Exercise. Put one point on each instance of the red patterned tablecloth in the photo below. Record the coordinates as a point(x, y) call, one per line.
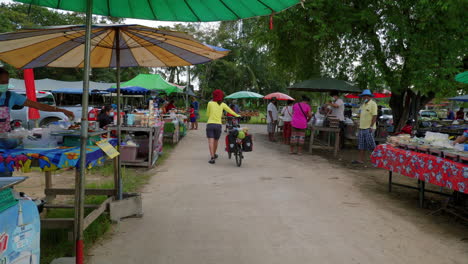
point(425, 167)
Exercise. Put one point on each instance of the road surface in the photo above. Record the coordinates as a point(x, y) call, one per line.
point(276, 208)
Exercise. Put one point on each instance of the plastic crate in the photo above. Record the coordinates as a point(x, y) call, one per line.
point(7, 199)
point(128, 153)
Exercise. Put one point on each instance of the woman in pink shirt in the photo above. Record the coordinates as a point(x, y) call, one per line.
point(300, 117)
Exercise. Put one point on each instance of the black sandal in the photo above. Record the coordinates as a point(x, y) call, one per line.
point(212, 161)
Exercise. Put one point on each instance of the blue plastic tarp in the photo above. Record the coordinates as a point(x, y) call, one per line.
point(461, 98)
point(130, 90)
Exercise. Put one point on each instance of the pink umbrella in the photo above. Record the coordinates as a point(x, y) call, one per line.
point(376, 95)
point(279, 96)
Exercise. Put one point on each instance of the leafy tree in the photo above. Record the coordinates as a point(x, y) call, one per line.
point(413, 48)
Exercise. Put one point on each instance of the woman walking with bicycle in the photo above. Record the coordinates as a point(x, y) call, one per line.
point(300, 117)
point(214, 112)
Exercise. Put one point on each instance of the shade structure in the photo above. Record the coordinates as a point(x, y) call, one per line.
point(462, 98)
point(325, 85)
point(278, 96)
point(462, 77)
point(376, 95)
point(174, 10)
point(244, 95)
point(130, 90)
point(153, 82)
point(77, 91)
point(63, 47)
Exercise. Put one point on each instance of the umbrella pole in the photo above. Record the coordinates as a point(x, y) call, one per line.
point(186, 88)
point(119, 121)
point(80, 179)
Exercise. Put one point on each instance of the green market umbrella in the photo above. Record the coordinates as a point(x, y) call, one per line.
point(244, 95)
point(325, 85)
point(173, 10)
point(152, 82)
point(462, 77)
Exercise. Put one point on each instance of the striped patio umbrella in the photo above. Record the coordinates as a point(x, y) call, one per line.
point(139, 46)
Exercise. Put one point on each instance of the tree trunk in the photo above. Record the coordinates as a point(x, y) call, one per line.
point(406, 106)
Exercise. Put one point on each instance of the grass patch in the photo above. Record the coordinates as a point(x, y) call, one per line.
point(55, 243)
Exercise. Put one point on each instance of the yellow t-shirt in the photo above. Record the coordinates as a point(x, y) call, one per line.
point(368, 111)
point(214, 111)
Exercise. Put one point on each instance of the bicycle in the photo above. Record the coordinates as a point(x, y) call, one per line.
point(234, 144)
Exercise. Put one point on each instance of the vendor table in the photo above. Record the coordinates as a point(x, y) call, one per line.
point(337, 132)
point(49, 160)
point(424, 167)
point(153, 150)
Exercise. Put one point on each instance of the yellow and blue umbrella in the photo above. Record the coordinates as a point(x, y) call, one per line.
point(138, 45)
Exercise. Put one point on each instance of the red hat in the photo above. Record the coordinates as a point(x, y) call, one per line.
point(218, 95)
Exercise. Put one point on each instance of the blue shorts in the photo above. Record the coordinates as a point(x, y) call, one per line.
point(213, 131)
point(193, 119)
point(366, 140)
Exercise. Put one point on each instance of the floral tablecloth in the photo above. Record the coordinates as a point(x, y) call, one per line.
point(425, 167)
point(50, 159)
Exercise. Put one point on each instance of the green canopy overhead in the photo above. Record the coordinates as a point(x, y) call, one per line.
point(152, 82)
point(462, 77)
point(325, 85)
point(174, 10)
point(244, 94)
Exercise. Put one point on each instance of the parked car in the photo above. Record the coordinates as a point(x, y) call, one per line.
point(386, 114)
point(429, 114)
point(21, 114)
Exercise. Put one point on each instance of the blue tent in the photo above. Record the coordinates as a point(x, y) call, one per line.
point(77, 91)
point(461, 98)
point(130, 90)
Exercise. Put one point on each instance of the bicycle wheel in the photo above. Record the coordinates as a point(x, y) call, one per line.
point(238, 154)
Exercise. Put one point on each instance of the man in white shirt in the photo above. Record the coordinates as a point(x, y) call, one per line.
point(337, 110)
point(272, 118)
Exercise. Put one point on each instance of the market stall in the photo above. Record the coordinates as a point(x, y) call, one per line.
point(428, 160)
point(49, 159)
point(322, 123)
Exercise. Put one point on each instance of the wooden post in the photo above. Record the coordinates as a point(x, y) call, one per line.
point(312, 135)
point(48, 185)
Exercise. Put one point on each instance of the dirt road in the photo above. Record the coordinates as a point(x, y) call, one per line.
point(276, 208)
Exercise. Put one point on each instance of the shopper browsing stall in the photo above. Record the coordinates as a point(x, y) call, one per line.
point(287, 117)
point(196, 107)
point(272, 118)
point(214, 112)
point(367, 126)
point(301, 115)
point(193, 118)
point(337, 110)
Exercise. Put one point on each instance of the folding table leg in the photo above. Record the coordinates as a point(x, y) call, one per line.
point(390, 181)
point(421, 193)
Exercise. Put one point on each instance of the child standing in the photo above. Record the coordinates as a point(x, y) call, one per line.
point(193, 117)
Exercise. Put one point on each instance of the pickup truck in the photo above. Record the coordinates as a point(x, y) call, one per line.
point(45, 117)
